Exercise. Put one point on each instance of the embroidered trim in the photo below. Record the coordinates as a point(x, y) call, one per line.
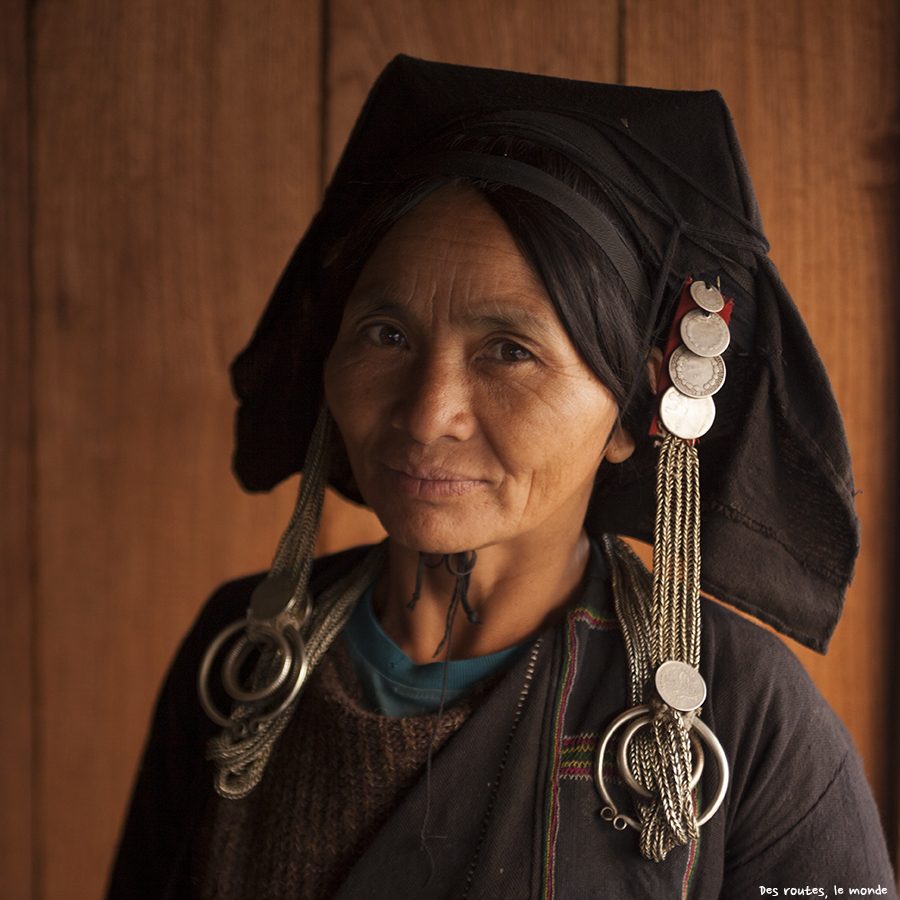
point(577, 759)
point(594, 620)
point(693, 857)
point(577, 756)
point(562, 701)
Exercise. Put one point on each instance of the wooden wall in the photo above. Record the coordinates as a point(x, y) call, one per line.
point(16, 462)
point(159, 160)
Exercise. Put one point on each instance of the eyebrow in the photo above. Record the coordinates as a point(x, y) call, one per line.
point(514, 319)
point(499, 315)
point(374, 301)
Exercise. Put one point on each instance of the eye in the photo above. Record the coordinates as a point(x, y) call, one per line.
point(509, 352)
point(385, 335)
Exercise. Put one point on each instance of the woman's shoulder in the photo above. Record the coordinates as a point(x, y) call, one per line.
point(750, 669)
point(729, 638)
point(762, 700)
point(799, 802)
point(794, 768)
point(230, 600)
point(227, 604)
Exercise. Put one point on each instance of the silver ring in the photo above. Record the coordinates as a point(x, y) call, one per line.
point(203, 675)
point(298, 661)
point(610, 812)
point(298, 679)
point(237, 656)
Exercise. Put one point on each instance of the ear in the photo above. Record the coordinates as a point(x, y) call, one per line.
point(654, 367)
point(620, 446)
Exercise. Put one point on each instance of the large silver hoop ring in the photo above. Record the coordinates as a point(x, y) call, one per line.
point(643, 713)
point(295, 665)
point(238, 654)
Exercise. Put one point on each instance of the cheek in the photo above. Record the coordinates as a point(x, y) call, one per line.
point(344, 398)
point(555, 444)
point(348, 388)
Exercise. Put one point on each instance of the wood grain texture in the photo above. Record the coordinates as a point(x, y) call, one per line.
point(176, 162)
point(813, 87)
point(16, 520)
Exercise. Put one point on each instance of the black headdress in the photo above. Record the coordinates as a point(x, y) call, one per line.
point(779, 530)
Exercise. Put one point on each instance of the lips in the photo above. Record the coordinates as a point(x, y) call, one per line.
point(426, 482)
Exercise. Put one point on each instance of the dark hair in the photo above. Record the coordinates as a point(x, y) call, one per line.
point(588, 295)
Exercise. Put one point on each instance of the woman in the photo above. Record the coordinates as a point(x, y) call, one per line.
point(516, 302)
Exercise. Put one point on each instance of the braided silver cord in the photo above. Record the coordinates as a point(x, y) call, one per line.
point(241, 761)
point(660, 625)
point(633, 595)
point(295, 551)
point(242, 750)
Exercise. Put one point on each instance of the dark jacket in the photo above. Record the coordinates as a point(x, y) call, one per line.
point(513, 794)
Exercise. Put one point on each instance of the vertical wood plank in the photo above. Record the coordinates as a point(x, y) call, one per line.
point(16, 522)
point(176, 163)
point(569, 38)
point(813, 87)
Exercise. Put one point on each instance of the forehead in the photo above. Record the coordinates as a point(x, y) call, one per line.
point(451, 245)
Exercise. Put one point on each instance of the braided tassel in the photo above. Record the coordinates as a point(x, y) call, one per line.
point(662, 754)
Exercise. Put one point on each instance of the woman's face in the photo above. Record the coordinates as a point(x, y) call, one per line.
point(468, 416)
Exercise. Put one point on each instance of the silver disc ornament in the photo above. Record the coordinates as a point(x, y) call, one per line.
point(680, 686)
point(696, 376)
point(707, 296)
point(705, 333)
point(686, 417)
point(272, 597)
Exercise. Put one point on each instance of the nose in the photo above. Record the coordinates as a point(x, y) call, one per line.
point(435, 401)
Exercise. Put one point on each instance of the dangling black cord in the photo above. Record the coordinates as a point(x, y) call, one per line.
point(460, 594)
point(465, 565)
point(420, 571)
point(417, 591)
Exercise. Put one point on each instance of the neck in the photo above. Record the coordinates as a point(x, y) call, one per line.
point(517, 592)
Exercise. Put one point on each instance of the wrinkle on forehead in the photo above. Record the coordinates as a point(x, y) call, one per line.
point(451, 241)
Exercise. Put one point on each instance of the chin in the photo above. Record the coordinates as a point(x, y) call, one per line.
point(435, 533)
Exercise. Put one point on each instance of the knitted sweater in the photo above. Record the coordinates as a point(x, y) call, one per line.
point(335, 776)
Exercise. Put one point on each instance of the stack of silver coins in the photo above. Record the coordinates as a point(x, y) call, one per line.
point(696, 367)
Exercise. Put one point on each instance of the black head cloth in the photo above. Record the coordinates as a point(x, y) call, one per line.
point(780, 534)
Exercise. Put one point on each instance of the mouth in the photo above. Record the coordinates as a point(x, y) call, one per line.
point(429, 482)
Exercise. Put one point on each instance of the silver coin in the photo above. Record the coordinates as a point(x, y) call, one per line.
point(686, 417)
point(705, 333)
point(707, 296)
point(680, 686)
point(271, 597)
point(696, 376)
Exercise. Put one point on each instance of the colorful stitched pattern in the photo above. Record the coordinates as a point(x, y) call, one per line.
point(577, 757)
point(693, 855)
point(556, 762)
point(576, 760)
point(600, 621)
